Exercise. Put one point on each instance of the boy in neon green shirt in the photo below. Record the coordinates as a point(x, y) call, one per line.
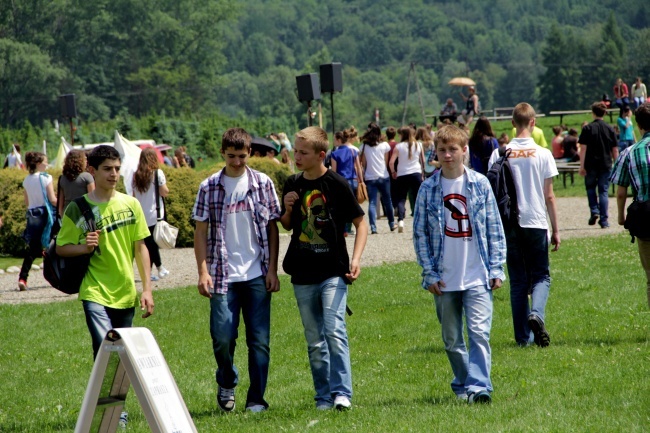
point(108, 289)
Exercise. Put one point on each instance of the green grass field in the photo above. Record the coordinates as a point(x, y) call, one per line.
point(595, 376)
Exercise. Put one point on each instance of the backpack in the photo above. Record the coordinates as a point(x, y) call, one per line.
point(503, 186)
point(67, 273)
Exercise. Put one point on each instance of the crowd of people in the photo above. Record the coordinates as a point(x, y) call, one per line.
point(461, 239)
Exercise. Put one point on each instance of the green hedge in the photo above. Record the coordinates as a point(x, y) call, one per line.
point(183, 185)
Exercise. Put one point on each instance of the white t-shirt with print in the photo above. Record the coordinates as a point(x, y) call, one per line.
point(462, 267)
point(406, 165)
point(375, 161)
point(244, 252)
point(531, 166)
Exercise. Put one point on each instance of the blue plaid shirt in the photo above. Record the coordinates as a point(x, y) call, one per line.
point(209, 207)
point(633, 168)
point(429, 227)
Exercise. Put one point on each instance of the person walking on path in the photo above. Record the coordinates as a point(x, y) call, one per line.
point(409, 174)
point(533, 169)
point(460, 244)
point(41, 204)
point(236, 247)
point(374, 159)
point(147, 177)
point(598, 149)
point(633, 168)
point(315, 206)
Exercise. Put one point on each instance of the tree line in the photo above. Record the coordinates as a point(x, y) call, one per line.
point(237, 60)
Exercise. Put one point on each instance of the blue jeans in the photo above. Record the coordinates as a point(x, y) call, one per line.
point(381, 186)
point(528, 269)
point(354, 185)
point(101, 319)
point(598, 204)
point(624, 144)
point(254, 302)
point(471, 370)
point(322, 311)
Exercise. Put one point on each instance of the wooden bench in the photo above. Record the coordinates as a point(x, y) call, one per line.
point(564, 113)
point(567, 168)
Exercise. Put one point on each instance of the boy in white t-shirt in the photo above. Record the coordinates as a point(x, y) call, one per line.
point(460, 244)
point(236, 247)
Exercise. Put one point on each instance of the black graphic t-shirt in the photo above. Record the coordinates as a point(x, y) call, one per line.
point(317, 250)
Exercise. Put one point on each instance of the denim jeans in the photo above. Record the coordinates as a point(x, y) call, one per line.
point(624, 144)
point(528, 269)
point(471, 370)
point(36, 222)
point(598, 203)
point(322, 311)
point(354, 185)
point(101, 319)
point(381, 186)
point(254, 302)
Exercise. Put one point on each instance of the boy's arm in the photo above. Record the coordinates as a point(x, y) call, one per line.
point(73, 250)
point(144, 268)
point(549, 197)
point(201, 253)
point(272, 282)
point(422, 242)
point(359, 244)
point(496, 240)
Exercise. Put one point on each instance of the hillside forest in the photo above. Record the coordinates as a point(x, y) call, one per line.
point(179, 71)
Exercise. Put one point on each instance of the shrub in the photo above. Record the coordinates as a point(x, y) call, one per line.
point(183, 185)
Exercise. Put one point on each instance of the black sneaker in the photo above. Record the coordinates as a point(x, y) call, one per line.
point(482, 397)
point(226, 399)
point(593, 218)
point(542, 339)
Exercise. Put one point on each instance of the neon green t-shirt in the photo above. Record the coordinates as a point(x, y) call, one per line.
point(110, 279)
point(537, 135)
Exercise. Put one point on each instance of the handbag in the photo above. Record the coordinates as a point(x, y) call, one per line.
point(164, 234)
point(638, 216)
point(362, 193)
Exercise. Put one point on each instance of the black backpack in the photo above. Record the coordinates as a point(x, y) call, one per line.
point(67, 273)
point(503, 186)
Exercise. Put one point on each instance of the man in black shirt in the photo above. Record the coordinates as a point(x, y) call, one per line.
point(598, 148)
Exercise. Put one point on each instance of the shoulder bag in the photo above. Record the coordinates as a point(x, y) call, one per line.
point(164, 234)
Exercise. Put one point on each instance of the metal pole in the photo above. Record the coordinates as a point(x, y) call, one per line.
point(332, 104)
point(71, 133)
point(308, 113)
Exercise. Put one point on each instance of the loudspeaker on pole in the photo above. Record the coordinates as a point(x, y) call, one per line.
point(67, 106)
point(308, 89)
point(331, 78)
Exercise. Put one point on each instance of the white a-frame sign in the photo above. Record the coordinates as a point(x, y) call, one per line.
point(131, 356)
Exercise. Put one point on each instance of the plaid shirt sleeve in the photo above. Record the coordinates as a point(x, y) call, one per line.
point(496, 238)
point(423, 238)
point(200, 211)
point(274, 203)
point(620, 171)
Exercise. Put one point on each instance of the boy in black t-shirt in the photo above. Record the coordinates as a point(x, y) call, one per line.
point(316, 205)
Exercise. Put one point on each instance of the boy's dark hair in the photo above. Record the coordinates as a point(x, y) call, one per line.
point(101, 153)
point(391, 132)
point(236, 138)
point(642, 116)
point(599, 109)
point(573, 132)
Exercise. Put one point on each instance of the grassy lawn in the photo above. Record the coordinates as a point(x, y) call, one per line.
point(593, 377)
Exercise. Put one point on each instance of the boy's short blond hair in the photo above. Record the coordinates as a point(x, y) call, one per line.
point(522, 115)
point(451, 134)
point(316, 137)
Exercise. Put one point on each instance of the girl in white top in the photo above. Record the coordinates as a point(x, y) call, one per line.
point(408, 177)
point(38, 191)
point(639, 93)
point(144, 190)
point(374, 159)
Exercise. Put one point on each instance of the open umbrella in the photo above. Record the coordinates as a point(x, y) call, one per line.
point(461, 81)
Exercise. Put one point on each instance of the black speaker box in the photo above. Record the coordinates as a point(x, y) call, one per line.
point(67, 106)
point(308, 87)
point(331, 78)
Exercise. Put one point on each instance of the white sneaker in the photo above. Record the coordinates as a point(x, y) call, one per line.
point(256, 408)
point(124, 420)
point(162, 272)
point(323, 405)
point(154, 278)
point(400, 227)
point(341, 402)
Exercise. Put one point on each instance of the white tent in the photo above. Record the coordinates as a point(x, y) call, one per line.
point(64, 148)
point(130, 154)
